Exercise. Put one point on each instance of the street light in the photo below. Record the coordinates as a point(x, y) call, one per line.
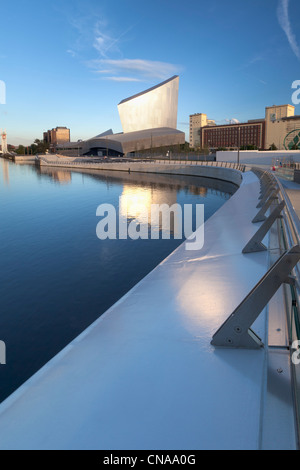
point(209, 142)
point(239, 144)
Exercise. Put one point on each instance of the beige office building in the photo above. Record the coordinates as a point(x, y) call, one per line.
point(197, 122)
point(282, 128)
point(57, 136)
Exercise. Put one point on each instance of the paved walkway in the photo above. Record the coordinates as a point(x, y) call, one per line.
point(293, 191)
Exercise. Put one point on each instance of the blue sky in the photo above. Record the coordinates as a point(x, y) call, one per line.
point(70, 62)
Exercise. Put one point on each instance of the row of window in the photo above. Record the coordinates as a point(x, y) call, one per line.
point(226, 132)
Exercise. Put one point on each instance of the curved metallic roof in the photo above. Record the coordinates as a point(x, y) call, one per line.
point(131, 141)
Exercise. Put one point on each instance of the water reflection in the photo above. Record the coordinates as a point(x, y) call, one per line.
point(196, 185)
point(5, 167)
point(58, 176)
point(137, 203)
point(56, 276)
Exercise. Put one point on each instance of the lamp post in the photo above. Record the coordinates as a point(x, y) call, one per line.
point(208, 148)
point(239, 144)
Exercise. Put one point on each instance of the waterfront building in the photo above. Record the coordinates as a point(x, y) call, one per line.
point(197, 122)
point(56, 137)
point(234, 135)
point(151, 109)
point(149, 121)
point(279, 129)
point(283, 128)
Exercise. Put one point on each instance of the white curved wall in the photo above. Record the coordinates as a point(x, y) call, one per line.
point(156, 107)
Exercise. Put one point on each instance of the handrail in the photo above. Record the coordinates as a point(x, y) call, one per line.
point(236, 331)
point(290, 218)
point(290, 230)
point(291, 234)
point(293, 219)
point(230, 165)
point(291, 226)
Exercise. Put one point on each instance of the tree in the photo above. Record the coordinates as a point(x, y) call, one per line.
point(273, 147)
point(20, 150)
point(39, 146)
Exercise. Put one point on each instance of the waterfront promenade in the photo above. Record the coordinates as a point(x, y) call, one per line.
point(216, 170)
point(145, 375)
point(293, 191)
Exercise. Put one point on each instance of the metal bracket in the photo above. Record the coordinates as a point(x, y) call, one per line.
point(236, 331)
point(261, 217)
point(267, 187)
point(265, 182)
point(255, 244)
point(291, 280)
point(273, 191)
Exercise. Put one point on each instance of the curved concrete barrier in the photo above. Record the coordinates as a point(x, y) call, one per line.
point(221, 173)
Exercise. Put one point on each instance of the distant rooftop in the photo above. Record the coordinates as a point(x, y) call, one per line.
point(236, 124)
point(280, 106)
point(291, 118)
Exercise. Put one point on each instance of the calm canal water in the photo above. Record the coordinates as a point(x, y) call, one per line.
point(56, 276)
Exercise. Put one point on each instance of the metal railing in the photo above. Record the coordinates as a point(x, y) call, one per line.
point(290, 227)
point(232, 165)
point(289, 224)
point(63, 162)
point(289, 236)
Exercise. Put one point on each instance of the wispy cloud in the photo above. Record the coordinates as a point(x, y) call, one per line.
point(103, 41)
point(284, 21)
point(122, 79)
point(84, 33)
point(71, 52)
point(94, 36)
point(254, 65)
point(137, 69)
point(232, 121)
point(258, 58)
point(255, 60)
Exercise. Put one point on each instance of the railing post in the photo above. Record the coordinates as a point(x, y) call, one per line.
point(265, 196)
point(260, 217)
point(235, 331)
point(255, 244)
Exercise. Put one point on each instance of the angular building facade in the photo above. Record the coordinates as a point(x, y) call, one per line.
point(153, 108)
point(149, 121)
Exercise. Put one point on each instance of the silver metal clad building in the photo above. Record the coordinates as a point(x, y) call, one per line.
point(149, 121)
point(153, 108)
